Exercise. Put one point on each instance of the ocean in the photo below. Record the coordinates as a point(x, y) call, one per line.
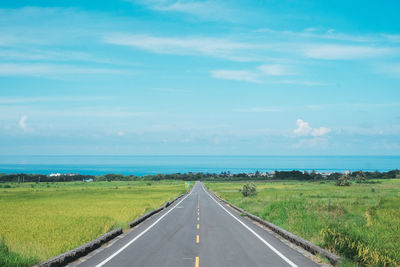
point(143, 165)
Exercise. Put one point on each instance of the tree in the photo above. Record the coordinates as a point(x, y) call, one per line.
point(343, 180)
point(360, 177)
point(248, 189)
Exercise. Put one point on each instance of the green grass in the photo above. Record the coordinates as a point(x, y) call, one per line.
point(39, 221)
point(361, 225)
point(9, 258)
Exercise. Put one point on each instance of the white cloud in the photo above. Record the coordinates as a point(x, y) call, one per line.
point(320, 131)
point(89, 111)
point(344, 52)
point(389, 69)
point(207, 10)
point(300, 82)
point(236, 75)
point(38, 69)
point(217, 47)
point(121, 133)
point(27, 100)
point(262, 109)
point(275, 70)
point(25, 54)
point(395, 38)
point(259, 75)
point(317, 33)
point(303, 128)
point(22, 122)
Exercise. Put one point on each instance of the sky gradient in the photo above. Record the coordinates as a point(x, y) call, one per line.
point(199, 77)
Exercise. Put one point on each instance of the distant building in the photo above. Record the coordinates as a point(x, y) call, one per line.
point(324, 174)
point(60, 174)
point(88, 180)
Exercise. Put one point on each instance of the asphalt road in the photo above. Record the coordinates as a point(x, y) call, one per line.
point(198, 231)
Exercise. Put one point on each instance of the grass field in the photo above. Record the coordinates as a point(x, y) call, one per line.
point(362, 225)
point(39, 221)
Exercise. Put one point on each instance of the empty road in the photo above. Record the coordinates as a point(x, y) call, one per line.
point(198, 231)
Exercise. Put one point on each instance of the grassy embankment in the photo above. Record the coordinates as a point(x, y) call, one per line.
point(355, 222)
point(39, 221)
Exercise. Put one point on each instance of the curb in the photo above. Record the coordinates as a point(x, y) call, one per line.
point(72, 255)
point(307, 245)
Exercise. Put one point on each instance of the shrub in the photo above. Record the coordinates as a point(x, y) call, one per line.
point(249, 189)
point(343, 180)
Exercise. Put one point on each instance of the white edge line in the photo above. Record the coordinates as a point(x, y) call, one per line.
point(142, 233)
point(254, 233)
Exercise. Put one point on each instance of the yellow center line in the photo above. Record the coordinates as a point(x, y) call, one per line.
point(198, 226)
point(196, 264)
point(197, 239)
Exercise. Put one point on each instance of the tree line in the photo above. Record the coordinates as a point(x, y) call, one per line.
point(190, 176)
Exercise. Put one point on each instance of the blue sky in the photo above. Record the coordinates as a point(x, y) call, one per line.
point(200, 77)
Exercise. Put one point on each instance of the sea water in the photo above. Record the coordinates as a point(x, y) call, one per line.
point(143, 165)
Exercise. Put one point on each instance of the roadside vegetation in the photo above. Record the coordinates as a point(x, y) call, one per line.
point(42, 220)
point(360, 222)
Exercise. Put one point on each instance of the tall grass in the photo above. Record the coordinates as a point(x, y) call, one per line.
point(40, 221)
point(355, 222)
point(10, 258)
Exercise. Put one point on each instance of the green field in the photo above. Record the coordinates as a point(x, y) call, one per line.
point(361, 225)
point(39, 221)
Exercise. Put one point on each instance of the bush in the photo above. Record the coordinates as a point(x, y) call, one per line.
point(249, 189)
point(343, 180)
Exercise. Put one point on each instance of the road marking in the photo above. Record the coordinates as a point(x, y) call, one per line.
point(198, 218)
point(253, 232)
point(142, 233)
point(198, 213)
point(197, 239)
point(196, 264)
point(198, 226)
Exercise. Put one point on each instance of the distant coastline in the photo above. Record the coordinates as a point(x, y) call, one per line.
point(150, 165)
